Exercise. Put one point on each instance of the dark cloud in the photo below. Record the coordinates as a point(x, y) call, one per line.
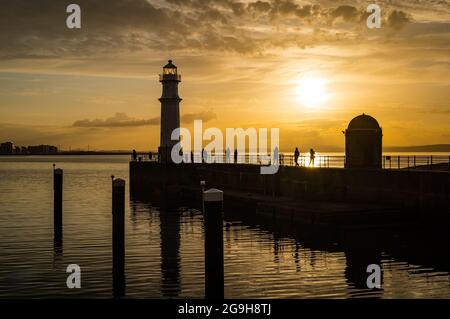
point(259, 6)
point(397, 19)
point(118, 120)
point(123, 120)
point(204, 116)
point(37, 29)
point(347, 13)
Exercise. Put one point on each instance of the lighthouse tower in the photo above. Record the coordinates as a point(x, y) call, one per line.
point(170, 110)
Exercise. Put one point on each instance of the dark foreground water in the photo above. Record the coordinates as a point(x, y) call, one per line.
point(164, 255)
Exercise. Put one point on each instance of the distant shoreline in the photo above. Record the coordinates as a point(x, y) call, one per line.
point(388, 151)
point(75, 153)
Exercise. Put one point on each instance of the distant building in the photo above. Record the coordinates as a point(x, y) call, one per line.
point(363, 143)
point(42, 149)
point(7, 148)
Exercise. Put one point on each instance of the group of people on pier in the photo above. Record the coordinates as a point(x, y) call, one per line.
point(204, 156)
point(312, 156)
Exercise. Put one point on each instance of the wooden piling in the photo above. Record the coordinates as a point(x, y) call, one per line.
point(214, 268)
point(118, 229)
point(202, 186)
point(57, 204)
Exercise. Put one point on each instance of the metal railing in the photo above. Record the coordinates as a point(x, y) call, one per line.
point(427, 162)
point(419, 162)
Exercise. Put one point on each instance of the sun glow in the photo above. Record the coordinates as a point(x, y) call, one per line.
point(312, 91)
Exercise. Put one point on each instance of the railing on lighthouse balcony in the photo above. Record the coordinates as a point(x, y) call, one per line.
point(170, 77)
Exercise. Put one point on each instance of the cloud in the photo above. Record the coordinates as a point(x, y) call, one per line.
point(204, 116)
point(123, 120)
point(31, 30)
point(397, 19)
point(347, 13)
point(118, 120)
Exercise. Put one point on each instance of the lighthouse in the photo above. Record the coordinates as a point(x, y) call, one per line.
point(170, 110)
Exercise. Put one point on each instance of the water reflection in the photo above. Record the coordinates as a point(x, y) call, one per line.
point(57, 246)
point(358, 257)
point(170, 253)
point(297, 257)
point(165, 252)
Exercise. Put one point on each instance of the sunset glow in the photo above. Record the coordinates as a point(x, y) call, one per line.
point(306, 69)
point(312, 92)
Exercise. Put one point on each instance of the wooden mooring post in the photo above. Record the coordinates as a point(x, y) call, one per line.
point(214, 261)
point(57, 205)
point(118, 236)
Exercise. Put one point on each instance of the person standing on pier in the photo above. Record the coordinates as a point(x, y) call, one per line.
point(312, 156)
point(235, 156)
point(296, 155)
point(134, 155)
point(276, 156)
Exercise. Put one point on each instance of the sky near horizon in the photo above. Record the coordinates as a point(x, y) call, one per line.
point(305, 67)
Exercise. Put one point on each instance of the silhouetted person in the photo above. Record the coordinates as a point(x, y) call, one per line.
point(312, 156)
point(203, 155)
point(275, 156)
point(235, 156)
point(296, 155)
point(228, 155)
point(134, 155)
point(150, 155)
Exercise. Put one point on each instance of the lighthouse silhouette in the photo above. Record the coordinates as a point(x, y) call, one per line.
point(170, 111)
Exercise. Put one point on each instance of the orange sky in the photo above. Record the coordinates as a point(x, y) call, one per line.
point(306, 67)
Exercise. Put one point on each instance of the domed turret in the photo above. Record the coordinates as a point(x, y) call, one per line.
point(363, 143)
point(363, 121)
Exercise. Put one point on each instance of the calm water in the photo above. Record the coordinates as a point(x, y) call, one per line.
point(261, 260)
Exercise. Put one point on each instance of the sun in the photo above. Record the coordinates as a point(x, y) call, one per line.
point(312, 91)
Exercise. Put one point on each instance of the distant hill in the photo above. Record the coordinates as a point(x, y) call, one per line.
point(418, 148)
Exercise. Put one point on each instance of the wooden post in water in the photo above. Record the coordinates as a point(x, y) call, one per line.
point(213, 219)
point(57, 204)
point(202, 185)
point(118, 240)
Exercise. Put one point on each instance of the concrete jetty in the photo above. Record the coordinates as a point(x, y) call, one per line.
point(312, 196)
point(358, 193)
